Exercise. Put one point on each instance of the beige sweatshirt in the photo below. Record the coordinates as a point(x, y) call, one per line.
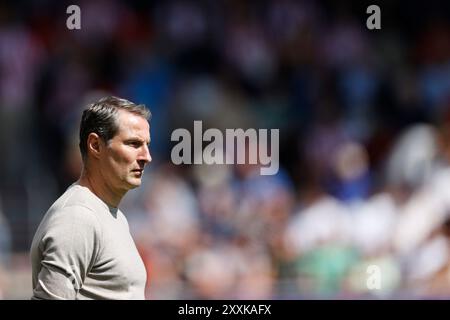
point(83, 250)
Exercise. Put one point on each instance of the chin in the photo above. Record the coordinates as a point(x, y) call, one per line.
point(134, 183)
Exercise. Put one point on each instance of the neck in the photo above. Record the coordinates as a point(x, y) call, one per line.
point(97, 185)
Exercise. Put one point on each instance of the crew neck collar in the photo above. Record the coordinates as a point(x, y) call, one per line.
point(112, 210)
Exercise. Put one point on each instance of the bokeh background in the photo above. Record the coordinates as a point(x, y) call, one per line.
point(364, 119)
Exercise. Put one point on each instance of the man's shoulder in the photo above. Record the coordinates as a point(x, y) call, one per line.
point(71, 216)
point(77, 201)
point(78, 197)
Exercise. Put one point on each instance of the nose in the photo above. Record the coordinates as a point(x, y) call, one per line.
point(145, 156)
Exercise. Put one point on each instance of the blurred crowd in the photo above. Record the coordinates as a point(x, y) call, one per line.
point(364, 120)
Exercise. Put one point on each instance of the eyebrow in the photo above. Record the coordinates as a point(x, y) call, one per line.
point(134, 139)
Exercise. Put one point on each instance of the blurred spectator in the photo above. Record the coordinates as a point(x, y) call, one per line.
point(5, 239)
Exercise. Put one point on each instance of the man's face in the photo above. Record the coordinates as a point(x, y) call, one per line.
point(126, 154)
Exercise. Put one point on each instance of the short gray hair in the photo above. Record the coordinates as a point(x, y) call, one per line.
point(101, 118)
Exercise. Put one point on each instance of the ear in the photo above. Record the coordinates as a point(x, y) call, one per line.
point(94, 144)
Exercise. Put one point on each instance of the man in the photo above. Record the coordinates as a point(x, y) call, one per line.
point(83, 248)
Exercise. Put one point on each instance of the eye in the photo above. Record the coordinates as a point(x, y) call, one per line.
point(134, 144)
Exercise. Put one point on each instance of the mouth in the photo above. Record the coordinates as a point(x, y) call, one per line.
point(138, 171)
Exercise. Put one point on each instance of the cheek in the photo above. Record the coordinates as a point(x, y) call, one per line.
point(122, 159)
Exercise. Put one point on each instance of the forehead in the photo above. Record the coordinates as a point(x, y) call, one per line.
point(131, 124)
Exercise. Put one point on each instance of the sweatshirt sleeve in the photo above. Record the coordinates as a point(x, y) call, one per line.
point(69, 249)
